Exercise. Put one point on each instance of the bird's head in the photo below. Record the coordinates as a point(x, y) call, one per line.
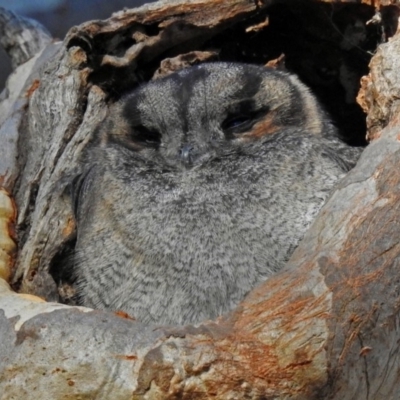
point(209, 111)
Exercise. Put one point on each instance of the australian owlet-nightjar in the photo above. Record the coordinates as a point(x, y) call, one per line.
point(198, 187)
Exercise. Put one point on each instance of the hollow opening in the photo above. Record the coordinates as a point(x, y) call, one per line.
point(328, 46)
point(61, 270)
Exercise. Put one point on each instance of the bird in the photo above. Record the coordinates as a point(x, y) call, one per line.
point(197, 187)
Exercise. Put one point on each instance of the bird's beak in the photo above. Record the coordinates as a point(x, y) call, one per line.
point(186, 154)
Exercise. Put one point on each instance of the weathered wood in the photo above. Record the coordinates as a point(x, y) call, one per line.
point(7, 237)
point(22, 38)
point(380, 92)
point(326, 327)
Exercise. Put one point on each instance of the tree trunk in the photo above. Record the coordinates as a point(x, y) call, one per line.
point(325, 327)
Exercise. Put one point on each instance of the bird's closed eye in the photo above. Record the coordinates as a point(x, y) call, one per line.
point(242, 122)
point(146, 136)
point(236, 122)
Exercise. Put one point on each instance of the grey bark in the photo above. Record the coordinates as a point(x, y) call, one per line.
point(326, 327)
point(22, 38)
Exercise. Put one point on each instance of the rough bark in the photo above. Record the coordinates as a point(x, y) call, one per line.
point(325, 327)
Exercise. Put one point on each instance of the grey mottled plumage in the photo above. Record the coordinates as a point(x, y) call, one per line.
point(200, 186)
